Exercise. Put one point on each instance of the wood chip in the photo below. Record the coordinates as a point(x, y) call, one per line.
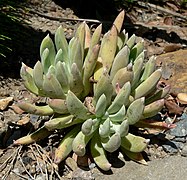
point(182, 98)
point(173, 108)
point(23, 121)
point(5, 102)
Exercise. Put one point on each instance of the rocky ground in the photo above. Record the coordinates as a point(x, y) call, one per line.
point(165, 34)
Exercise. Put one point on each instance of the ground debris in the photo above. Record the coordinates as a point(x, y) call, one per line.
point(27, 163)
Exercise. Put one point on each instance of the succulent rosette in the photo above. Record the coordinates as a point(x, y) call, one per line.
point(98, 86)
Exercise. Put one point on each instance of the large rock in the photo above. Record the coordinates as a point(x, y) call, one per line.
point(168, 168)
point(174, 65)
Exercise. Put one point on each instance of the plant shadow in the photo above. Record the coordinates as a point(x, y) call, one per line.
point(25, 45)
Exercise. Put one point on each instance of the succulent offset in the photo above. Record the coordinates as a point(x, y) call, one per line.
point(98, 87)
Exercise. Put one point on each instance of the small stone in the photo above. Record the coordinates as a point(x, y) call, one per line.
point(34, 118)
point(92, 165)
point(120, 155)
point(184, 151)
point(151, 151)
point(16, 170)
point(27, 160)
point(169, 120)
point(40, 177)
point(170, 147)
point(180, 139)
point(33, 169)
point(180, 130)
point(169, 136)
point(179, 145)
point(80, 174)
point(70, 162)
point(83, 161)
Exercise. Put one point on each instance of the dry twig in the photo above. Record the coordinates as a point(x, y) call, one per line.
point(21, 176)
point(48, 160)
point(43, 159)
point(25, 167)
point(14, 157)
point(137, 24)
point(34, 154)
point(62, 19)
point(3, 166)
point(164, 10)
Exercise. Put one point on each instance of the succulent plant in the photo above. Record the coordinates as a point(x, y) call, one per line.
point(98, 87)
